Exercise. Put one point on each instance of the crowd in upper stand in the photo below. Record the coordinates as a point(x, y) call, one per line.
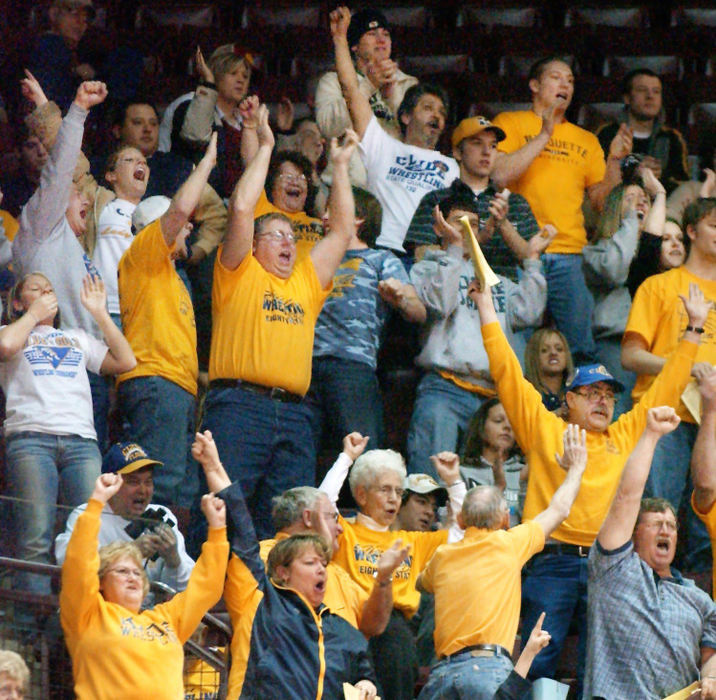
point(209, 299)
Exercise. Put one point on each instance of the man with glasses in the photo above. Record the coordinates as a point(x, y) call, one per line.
point(637, 601)
point(556, 580)
point(265, 304)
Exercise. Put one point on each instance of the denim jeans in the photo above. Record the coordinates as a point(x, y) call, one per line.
point(609, 352)
point(42, 470)
point(99, 387)
point(441, 415)
point(557, 585)
point(466, 677)
point(570, 303)
point(670, 478)
point(263, 443)
point(159, 416)
point(344, 396)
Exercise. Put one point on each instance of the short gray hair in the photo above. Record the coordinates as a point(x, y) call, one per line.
point(288, 507)
point(371, 464)
point(483, 507)
point(13, 665)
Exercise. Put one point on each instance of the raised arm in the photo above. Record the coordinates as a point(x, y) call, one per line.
point(48, 204)
point(656, 218)
point(619, 148)
point(329, 251)
point(188, 195)
point(199, 117)
point(354, 445)
point(635, 355)
point(447, 466)
point(574, 461)
point(119, 357)
point(249, 111)
point(357, 102)
point(620, 521)
point(703, 457)
point(14, 335)
point(240, 230)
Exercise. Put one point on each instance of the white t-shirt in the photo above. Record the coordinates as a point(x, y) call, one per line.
point(46, 384)
point(399, 175)
point(114, 236)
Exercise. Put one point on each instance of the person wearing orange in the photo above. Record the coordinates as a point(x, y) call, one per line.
point(476, 615)
point(552, 164)
point(654, 328)
point(119, 650)
point(157, 397)
point(259, 376)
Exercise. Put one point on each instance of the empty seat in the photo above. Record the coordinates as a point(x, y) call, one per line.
point(278, 16)
point(490, 17)
point(519, 66)
point(694, 16)
point(430, 65)
point(661, 65)
point(595, 114)
point(406, 16)
point(200, 16)
point(606, 16)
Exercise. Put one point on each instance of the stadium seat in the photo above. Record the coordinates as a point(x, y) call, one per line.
point(606, 16)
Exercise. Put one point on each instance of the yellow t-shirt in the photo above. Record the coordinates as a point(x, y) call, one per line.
point(658, 317)
point(555, 181)
point(709, 519)
point(539, 434)
point(360, 548)
point(478, 588)
point(263, 325)
point(307, 229)
point(157, 313)
point(344, 596)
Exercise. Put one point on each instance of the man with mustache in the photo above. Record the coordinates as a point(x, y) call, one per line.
point(400, 172)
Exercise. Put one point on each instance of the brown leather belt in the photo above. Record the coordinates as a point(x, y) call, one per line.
point(272, 392)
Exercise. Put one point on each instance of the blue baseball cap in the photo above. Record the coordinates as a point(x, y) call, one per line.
point(126, 457)
point(591, 374)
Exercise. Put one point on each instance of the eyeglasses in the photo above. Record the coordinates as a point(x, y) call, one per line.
point(387, 490)
point(670, 525)
point(595, 395)
point(293, 179)
point(331, 515)
point(277, 235)
point(126, 573)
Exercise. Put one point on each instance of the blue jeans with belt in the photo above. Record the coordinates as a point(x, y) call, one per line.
point(264, 443)
point(466, 677)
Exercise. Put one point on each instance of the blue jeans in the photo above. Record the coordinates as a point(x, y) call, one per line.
point(159, 416)
point(557, 585)
point(263, 443)
point(570, 303)
point(344, 396)
point(99, 387)
point(42, 470)
point(441, 415)
point(609, 351)
point(670, 478)
point(466, 677)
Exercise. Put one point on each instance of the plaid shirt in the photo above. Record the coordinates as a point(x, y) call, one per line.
point(645, 632)
point(501, 259)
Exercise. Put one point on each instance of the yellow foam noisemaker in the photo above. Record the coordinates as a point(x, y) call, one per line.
point(483, 272)
point(691, 691)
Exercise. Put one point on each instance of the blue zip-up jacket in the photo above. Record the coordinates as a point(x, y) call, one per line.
point(282, 647)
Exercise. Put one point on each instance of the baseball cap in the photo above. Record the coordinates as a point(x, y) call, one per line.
point(148, 210)
point(125, 458)
point(363, 21)
point(424, 483)
point(591, 374)
point(475, 125)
